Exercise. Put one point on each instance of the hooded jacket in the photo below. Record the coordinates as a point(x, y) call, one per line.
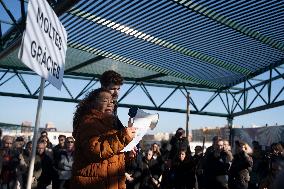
point(98, 162)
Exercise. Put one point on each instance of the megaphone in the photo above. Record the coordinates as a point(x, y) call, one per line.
point(135, 113)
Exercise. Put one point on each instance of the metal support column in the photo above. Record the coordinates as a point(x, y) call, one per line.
point(230, 127)
point(187, 114)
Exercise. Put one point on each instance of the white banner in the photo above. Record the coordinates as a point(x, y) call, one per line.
point(44, 43)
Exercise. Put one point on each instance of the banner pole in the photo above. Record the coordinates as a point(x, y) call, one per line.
point(38, 114)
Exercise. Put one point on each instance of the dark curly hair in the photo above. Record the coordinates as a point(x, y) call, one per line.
point(86, 105)
point(111, 77)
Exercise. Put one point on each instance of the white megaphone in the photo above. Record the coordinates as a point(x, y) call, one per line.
point(153, 117)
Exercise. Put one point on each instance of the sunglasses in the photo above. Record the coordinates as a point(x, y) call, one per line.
point(70, 141)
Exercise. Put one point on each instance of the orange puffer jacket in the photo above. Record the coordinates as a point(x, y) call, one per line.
point(98, 162)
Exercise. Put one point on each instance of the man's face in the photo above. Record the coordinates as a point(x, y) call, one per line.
point(220, 145)
point(197, 150)
point(29, 147)
point(19, 144)
point(149, 155)
point(8, 143)
point(70, 144)
point(114, 89)
point(40, 148)
point(61, 140)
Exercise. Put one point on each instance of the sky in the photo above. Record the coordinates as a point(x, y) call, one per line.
point(16, 110)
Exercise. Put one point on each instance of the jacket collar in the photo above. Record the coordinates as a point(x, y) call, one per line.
point(97, 114)
point(100, 115)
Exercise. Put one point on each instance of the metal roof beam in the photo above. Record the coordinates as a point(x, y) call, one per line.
point(226, 106)
point(148, 94)
point(87, 87)
point(128, 80)
point(261, 83)
point(168, 97)
point(191, 101)
point(131, 88)
point(258, 94)
point(10, 15)
point(37, 90)
point(6, 22)
point(258, 72)
point(23, 12)
point(7, 79)
point(234, 101)
point(175, 110)
point(259, 108)
point(23, 82)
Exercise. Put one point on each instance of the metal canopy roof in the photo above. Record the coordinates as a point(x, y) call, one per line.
point(210, 44)
point(215, 44)
point(204, 44)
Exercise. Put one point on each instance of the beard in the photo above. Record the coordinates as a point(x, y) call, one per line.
point(114, 97)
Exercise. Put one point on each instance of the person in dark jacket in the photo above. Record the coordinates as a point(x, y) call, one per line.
point(197, 157)
point(184, 173)
point(9, 160)
point(178, 142)
point(216, 167)
point(167, 179)
point(151, 172)
point(132, 170)
point(25, 159)
point(46, 164)
point(56, 151)
point(65, 163)
point(44, 134)
point(241, 167)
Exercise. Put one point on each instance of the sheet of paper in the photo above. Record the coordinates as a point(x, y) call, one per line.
point(142, 122)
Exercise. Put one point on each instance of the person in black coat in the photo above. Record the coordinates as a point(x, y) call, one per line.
point(150, 172)
point(216, 167)
point(46, 163)
point(241, 167)
point(178, 142)
point(197, 159)
point(56, 150)
point(184, 172)
point(132, 170)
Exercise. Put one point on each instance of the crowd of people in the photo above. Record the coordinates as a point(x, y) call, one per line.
point(53, 164)
point(218, 167)
point(170, 165)
point(93, 157)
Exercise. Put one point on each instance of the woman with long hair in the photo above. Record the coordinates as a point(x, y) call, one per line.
point(98, 160)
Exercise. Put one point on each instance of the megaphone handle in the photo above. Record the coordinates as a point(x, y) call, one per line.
point(130, 122)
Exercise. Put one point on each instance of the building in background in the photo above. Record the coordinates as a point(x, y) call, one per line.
point(26, 130)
